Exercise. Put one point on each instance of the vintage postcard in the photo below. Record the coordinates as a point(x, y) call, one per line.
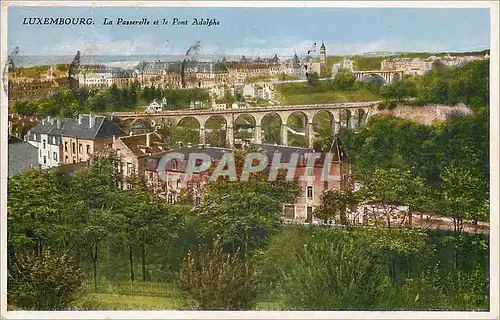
point(249, 160)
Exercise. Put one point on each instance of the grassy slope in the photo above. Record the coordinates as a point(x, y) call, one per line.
point(326, 97)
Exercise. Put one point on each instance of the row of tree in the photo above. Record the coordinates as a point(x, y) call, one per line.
point(129, 98)
point(442, 168)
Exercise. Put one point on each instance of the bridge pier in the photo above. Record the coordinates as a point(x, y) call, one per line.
point(202, 135)
point(310, 133)
point(230, 136)
point(257, 134)
point(284, 134)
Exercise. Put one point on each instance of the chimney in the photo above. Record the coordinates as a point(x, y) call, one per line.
point(91, 121)
point(58, 123)
point(147, 140)
point(79, 119)
point(114, 139)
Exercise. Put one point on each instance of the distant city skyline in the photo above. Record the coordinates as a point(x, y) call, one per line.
point(253, 31)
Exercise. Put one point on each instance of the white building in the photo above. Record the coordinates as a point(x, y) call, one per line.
point(95, 78)
point(46, 136)
point(156, 107)
point(260, 90)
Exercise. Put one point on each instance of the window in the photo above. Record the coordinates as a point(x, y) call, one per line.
point(65, 146)
point(66, 159)
point(309, 171)
point(309, 192)
point(289, 211)
point(44, 160)
point(309, 217)
point(129, 168)
point(174, 164)
point(80, 148)
point(74, 159)
point(44, 146)
point(54, 140)
point(73, 147)
point(55, 156)
point(88, 149)
point(170, 199)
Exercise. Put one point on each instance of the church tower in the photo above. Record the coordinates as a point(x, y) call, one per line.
point(322, 54)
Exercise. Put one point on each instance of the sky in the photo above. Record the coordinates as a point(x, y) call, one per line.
point(253, 31)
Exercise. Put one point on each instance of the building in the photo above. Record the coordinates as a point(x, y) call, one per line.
point(175, 191)
point(71, 140)
point(21, 156)
point(260, 90)
point(83, 136)
point(322, 54)
point(419, 66)
point(133, 151)
point(46, 137)
point(156, 107)
point(302, 210)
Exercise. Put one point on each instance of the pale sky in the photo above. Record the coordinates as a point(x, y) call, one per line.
point(253, 31)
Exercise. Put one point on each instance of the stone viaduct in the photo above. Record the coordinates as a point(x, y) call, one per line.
point(385, 76)
point(350, 114)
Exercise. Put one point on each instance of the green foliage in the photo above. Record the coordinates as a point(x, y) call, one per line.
point(425, 151)
point(335, 203)
point(323, 269)
point(335, 274)
point(218, 280)
point(344, 80)
point(468, 84)
point(43, 282)
point(101, 100)
point(398, 90)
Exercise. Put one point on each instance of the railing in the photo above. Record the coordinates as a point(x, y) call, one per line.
point(131, 288)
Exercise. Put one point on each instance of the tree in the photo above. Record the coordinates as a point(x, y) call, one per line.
point(218, 280)
point(43, 282)
point(344, 80)
point(398, 90)
point(337, 203)
point(335, 273)
point(387, 190)
point(460, 199)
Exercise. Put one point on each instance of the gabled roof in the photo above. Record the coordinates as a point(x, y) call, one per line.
point(21, 156)
point(84, 127)
point(137, 143)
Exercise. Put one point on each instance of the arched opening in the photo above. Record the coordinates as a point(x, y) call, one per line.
point(244, 130)
point(345, 118)
point(216, 131)
point(297, 129)
point(271, 128)
point(374, 77)
point(141, 126)
point(323, 129)
point(358, 118)
point(396, 77)
point(186, 133)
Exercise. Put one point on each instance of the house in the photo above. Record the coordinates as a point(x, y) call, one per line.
point(156, 107)
point(21, 156)
point(174, 191)
point(302, 210)
point(71, 140)
point(133, 151)
point(46, 137)
point(83, 136)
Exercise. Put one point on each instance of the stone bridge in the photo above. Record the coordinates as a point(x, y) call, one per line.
point(384, 76)
point(350, 114)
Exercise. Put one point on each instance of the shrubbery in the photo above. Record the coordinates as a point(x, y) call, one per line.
point(43, 282)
